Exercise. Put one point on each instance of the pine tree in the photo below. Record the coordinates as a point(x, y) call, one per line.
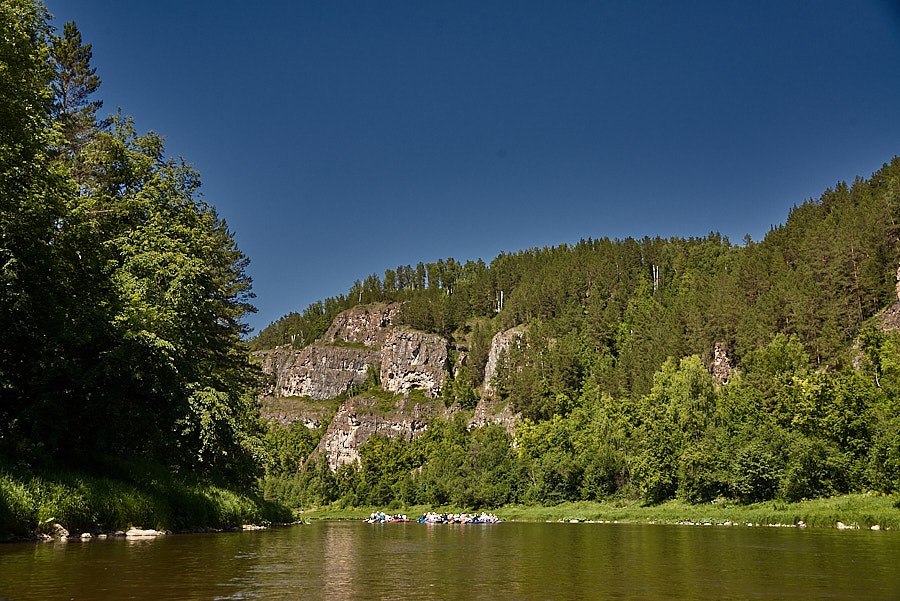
point(76, 80)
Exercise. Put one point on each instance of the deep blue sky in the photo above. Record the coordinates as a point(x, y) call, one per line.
point(339, 138)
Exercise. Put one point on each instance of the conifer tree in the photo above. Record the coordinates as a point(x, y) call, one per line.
point(76, 81)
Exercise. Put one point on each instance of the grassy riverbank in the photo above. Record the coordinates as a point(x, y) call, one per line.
point(147, 497)
point(858, 510)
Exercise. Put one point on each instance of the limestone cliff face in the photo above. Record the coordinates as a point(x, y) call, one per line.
point(359, 418)
point(317, 372)
point(501, 342)
point(365, 325)
point(889, 319)
point(405, 359)
point(411, 360)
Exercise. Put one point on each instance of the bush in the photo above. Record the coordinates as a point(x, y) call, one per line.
point(815, 469)
point(756, 473)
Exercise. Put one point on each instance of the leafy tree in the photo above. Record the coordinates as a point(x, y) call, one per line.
point(479, 349)
point(815, 469)
point(774, 366)
point(287, 447)
point(675, 453)
point(33, 316)
point(123, 294)
point(757, 472)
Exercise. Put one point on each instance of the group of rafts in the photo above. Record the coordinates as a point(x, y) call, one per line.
point(379, 517)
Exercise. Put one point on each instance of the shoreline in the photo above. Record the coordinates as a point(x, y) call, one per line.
point(863, 511)
point(37, 505)
point(61, 535)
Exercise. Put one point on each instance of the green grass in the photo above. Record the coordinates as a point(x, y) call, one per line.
point(862, 510)
point(30, 503)
point(335, 513)
point(858, 510)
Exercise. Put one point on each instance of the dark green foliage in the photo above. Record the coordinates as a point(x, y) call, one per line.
point(121, 293)
point(288, 446)
point(301, 329)
point(814, 469)
point(756, 472)
point(459, 390)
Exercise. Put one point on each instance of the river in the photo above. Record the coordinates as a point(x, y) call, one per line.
point(352, 560)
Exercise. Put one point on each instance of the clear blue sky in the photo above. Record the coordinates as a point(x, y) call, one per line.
point(341, 138)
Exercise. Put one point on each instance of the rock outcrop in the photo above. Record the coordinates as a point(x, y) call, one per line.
point(721, 366)
point(317, 372)
point(361, 340)
point(363, 325)
point(501, 342)
point(360, 418)
point(889, 319)
point(411, 360)
point(897, 289)
point(404, 359)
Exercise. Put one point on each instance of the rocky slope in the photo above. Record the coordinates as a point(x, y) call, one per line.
point(501, 342)
point(363, 325)
point(359, 418)
point(286, 411)
point(413, 360)
point(317, 372)
point(360, 342)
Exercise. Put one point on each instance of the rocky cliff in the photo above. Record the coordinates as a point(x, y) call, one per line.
point(317, 372)
point(721, 367)
point(490, 411)
point(363, 325)
point(360, 340)
point(414, 360)
point(359, 418)
point(501, 342)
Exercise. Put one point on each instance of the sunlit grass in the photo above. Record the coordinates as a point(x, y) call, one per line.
point(858, 510)
point(30, 504)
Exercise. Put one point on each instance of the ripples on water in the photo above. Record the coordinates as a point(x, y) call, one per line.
point(344, 560)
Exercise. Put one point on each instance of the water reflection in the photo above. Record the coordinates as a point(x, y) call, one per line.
point(507, 561)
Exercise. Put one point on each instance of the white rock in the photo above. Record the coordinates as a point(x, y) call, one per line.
point(135, 532)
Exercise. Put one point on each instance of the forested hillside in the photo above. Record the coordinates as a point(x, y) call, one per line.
point(122, 297)
point(612, 375)
point(616, 309)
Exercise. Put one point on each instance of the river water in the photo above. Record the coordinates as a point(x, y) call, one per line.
point(352, 560)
